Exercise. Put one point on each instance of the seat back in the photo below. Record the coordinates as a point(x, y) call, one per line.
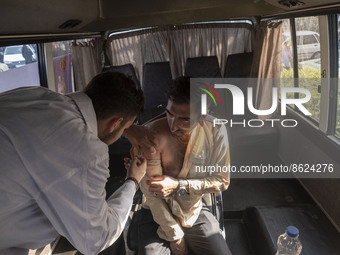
point(238, 65)
point(156, 78)
point(238, 68)
point(127, 69)
point(202, 67)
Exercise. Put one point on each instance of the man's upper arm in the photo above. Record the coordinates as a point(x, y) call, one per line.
point(157, 127)
point(219, 156)
point(221, 153)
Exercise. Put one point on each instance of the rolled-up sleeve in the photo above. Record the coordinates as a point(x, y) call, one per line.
point(218, 165)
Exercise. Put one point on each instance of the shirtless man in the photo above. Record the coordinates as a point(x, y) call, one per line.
point(179, 222)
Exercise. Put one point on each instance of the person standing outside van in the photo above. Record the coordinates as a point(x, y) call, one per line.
point(54, 165)
point(27, 54)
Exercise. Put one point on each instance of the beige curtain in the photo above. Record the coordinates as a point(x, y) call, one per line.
point(176, 44)
point(126, 50)
point(139, 48)
point(208, 40)
point(155, 46)
point(87, 59)
point(267, 62)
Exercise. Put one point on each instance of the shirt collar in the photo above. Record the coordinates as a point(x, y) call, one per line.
point(85, 106)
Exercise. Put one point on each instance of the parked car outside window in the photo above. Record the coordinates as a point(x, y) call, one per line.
point(14, 56)
point(308, 44)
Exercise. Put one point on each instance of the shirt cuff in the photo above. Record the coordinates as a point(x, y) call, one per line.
point(131, 183)
point(195, 185)
point(135, 182)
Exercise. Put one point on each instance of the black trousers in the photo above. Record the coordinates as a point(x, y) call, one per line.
point(202, 238)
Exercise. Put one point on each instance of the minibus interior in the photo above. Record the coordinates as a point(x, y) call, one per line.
point(154, 42)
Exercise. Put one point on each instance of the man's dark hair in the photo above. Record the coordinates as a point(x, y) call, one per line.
point(179, 91)
point(113, 93)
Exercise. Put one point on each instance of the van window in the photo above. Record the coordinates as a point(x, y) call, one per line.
point(299, 40)
point(309, 61)
point(337, 131)
point(308, 58)
point(337, 127)
point(62, 67)
point(308, 54)
point(18, 67)
point(60, 56)
point(287, 53)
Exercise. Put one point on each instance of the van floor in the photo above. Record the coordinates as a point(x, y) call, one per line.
point(257, 211)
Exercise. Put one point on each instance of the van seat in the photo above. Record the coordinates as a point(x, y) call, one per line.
point(238, 65)
point(126, 69)
point(203, 67)
point(156, 78)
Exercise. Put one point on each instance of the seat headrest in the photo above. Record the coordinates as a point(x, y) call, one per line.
point(156, 78)
point(238, 65)
point(126, 69)
point(202, 67)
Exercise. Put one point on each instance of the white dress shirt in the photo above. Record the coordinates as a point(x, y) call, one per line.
point(53, 173)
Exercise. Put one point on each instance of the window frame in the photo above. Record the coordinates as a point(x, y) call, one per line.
point(296, 66)
point(330, 70)
point(334, 73)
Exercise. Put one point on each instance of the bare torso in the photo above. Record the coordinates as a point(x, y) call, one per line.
point(171, 149)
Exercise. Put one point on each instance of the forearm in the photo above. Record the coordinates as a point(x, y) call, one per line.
point(209, 184)
point(154, 168)
point(119, 204)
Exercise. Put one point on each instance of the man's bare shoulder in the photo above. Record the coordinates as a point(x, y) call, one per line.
point(160, 129)
point(159, 126)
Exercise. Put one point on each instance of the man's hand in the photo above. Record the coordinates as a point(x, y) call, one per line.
point(137, 168)
point(178, 247)
point(163, 186)
point(142, 138)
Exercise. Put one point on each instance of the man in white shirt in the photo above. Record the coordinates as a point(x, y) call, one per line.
point(54, 165)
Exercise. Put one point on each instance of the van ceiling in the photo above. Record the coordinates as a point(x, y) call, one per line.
point(46, 16)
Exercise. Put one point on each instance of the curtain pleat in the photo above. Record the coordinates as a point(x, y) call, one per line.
point(86, 59)
point(139, 49)
point(267, 63)
point(177, 43)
